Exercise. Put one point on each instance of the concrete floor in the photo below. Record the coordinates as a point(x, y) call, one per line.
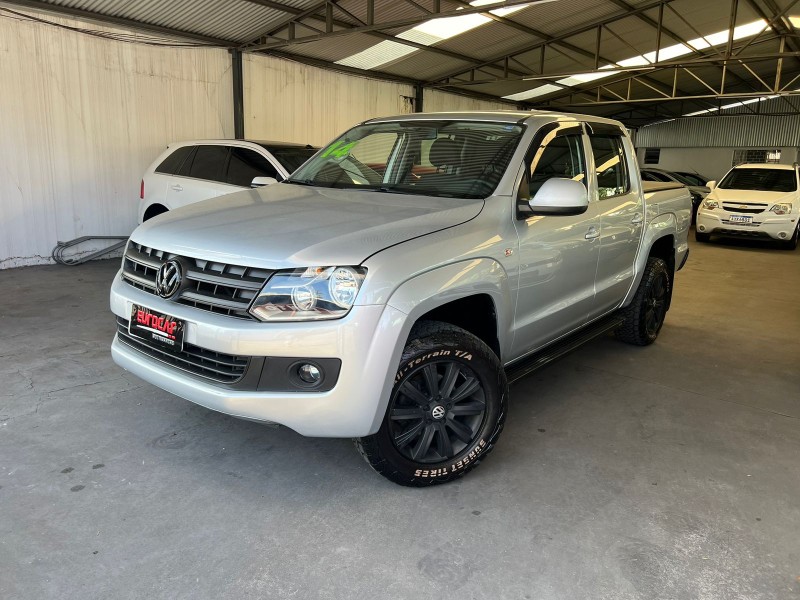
point(664, 472)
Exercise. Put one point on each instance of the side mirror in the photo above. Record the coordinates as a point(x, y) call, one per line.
point(711, 185)
point(262, 181)
point(560, 196)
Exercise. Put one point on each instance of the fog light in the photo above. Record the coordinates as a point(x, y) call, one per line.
point(309, 373)
point(702, 227)
point(782, 235)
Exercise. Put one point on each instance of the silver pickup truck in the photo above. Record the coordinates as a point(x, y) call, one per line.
point(391, 288)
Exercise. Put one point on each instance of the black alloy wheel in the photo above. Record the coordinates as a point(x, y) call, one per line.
point(436, 411)
point(446, 410)
point(656, 304)
point(644, 316)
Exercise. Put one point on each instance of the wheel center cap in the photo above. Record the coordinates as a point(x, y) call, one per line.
point(437, 412)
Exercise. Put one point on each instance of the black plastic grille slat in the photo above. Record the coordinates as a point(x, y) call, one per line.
point(219, 288)
point(217, 366)
point(738, 209)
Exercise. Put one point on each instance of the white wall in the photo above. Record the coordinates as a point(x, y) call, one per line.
point(81, 118)
point(291, 102)
point(436, 101)
point(709, 162)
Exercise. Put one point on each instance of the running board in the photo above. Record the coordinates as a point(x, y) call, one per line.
point(537, 360)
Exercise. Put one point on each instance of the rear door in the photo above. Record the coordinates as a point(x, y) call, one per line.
point(557, 254)
point(202, 176)
point(621, 210)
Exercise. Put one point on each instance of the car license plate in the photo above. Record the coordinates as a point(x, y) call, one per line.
point(157, 328)
point(740, 219)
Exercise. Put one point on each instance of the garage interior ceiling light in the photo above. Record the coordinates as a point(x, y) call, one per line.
point(667, 53)
point(427, 34)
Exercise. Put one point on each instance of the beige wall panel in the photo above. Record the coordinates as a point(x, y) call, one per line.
point(81, 118)
point(291, 102)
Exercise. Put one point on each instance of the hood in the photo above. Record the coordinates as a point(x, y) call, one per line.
point(726, 195)
point(285, 226)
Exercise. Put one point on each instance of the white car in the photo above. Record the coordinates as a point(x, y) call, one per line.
point(188, 172)
point(754, 201)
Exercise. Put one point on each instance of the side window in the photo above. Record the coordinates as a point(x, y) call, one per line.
point(560, 156)
point(652, 176)
point(209, 163)
point(610, 165)
point(172, 164)
point(246, 165)
point(186, 167)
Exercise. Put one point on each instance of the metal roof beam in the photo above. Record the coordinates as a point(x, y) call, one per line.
point(310, 14)
point(550, 40)
point(120, 21)
point(407, 22)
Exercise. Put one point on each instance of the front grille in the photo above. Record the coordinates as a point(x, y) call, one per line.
point(223, 368)
point(749, 208)
point(216, 287)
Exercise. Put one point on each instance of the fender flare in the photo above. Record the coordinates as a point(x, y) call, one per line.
point(657, 228)
point(429, 290)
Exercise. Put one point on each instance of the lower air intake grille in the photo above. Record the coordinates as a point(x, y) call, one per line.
point(222, 368)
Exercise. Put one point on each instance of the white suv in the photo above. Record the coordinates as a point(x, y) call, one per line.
point(755, 201)
point(188, 172)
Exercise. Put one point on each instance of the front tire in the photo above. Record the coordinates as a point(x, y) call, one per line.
point(446, 410)
point(644, 316)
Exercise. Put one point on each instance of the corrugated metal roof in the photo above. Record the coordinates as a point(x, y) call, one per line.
point(235, 20)
point(737, 131)
point(241, 21)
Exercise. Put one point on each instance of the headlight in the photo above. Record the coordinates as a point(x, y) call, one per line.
point(781, 209)
point(711, 204)
point(308, 294)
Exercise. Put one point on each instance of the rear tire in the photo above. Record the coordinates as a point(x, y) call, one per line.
point(703, 238)
point(446, 410)
point(645, 315)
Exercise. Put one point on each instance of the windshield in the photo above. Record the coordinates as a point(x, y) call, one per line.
point(762, 180)
point(692, 178)
point(459, 159)
point(291, 157)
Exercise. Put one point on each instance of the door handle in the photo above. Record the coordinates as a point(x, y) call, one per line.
point(593, 232)
point(637, 218)
point(177, 187)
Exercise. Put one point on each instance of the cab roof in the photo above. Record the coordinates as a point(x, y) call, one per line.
point(500, 116)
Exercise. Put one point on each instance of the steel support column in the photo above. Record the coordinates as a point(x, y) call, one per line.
point(238, 94)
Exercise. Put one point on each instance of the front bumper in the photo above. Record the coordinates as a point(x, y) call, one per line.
point(368, 341)
point(764, 225)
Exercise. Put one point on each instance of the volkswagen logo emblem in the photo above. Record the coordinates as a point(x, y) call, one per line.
point(437, 412)
point(168, 278)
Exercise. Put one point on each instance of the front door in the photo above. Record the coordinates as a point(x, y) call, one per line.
point(557, 254)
